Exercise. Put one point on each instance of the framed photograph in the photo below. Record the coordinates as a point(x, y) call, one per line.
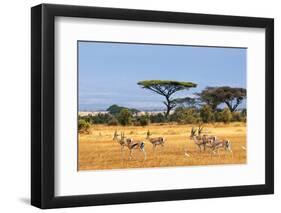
point(136, 106)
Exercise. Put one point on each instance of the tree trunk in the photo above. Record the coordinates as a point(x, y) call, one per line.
point(168, 110)
point(169, 107)
point(230, 106)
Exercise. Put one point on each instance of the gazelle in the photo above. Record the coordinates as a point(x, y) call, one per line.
point(196, 138)
point(213, 143)
point(202, 141)
point(132, 145)
point(155, 141)
point(206, 139)
point(121, 141)
point(222, 144)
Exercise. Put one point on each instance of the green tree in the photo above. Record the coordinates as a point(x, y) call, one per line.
point(206, 114)
point(232, 97)
point(218, 116)
point(185, 115)
point(125, 117)
point(157, 118)
point(142, 120)
point(166, 89)
point(236, 116)
point(244, 114)
point(100, 118)
point(83, 126)
point(113, 121)
point(226, 115)
point(209, 97)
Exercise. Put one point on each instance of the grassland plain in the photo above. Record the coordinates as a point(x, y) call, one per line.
point(98, 150)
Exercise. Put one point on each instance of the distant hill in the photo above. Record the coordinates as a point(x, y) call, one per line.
point(115, 109)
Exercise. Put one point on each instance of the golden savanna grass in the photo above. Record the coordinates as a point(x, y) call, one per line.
point(97, 150)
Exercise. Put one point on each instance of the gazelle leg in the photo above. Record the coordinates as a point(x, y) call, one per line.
point(144, 153)
point(121, 152)
point(230, 150)
point(213, 152)
point(131, 154)
point(218, 152)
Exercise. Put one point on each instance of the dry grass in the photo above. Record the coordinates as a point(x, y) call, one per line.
point(98, 151)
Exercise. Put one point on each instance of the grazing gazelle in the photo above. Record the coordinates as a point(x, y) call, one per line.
point(155, 141)
point(222, 144)
point(202, 141)
point(132, 145)
point(206, 139)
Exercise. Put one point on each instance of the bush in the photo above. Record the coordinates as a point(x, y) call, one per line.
point(237, 116)
point(157, 118)
point(226, 115)
point(83, 126)
point(206, 114)
point(125, 117)
point(113, 121)
point(101, 118)
point(244, 115)
point(218, 116)
point(185, 116)
point(142, 120)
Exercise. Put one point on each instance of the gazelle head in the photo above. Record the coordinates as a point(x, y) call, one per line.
point(122, 136)
point(192, 133)
point(228, 145)
point(200, 129)
point(148, 134)
point(115, 135)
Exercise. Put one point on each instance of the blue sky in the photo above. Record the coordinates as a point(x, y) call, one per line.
point(109, 72)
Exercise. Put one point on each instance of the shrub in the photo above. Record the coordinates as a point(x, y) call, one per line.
point(100, 118)
point(236, 116)
point(113, 121)
point(185, 116)
point(218, 116)
point(244, 115)
point(125, 117)
point(142, 120)
point(83, 126)
point(226, 115)
point(157, 118)
point(206, 114)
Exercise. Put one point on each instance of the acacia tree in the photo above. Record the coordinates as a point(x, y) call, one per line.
point(232, 97)
point(166, 89)
point(210, 97)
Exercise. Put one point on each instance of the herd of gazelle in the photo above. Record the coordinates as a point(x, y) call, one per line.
point(210, 142)
point(130, 143)
point(203, 142)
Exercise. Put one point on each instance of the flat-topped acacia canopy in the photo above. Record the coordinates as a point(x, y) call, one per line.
point(149, 83)
point(166, 88)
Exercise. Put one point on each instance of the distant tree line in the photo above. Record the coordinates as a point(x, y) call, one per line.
point(213, 104)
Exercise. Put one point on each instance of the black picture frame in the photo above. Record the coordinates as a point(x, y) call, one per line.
point(43, 110)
